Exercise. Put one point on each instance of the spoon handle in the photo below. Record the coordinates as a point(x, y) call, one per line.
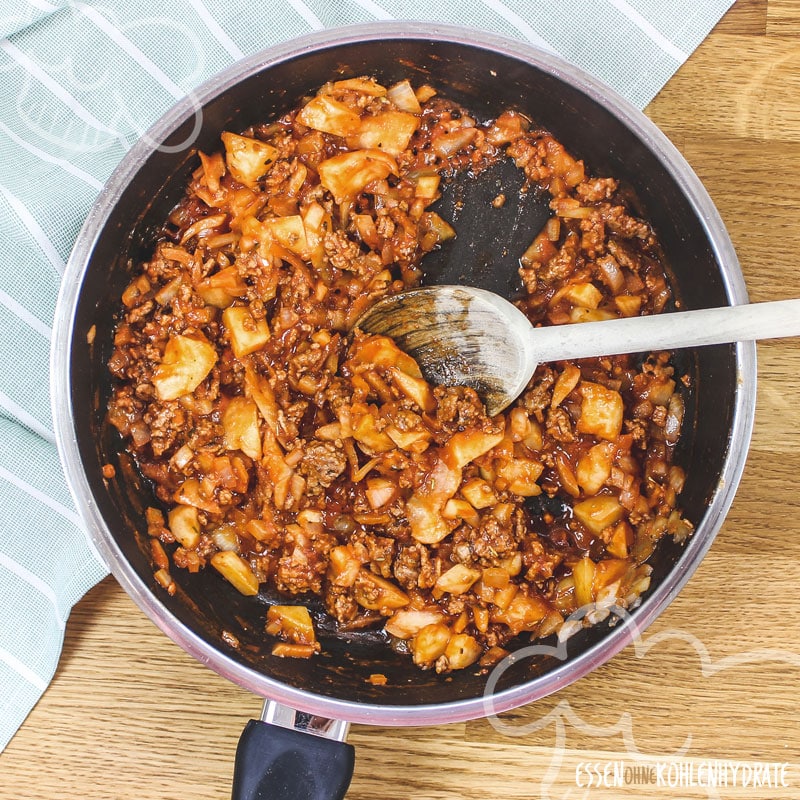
point(667, 331)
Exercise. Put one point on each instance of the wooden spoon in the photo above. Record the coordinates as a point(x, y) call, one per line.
point(463, 336)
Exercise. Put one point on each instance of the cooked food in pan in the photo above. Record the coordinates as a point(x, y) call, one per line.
point(292, 452)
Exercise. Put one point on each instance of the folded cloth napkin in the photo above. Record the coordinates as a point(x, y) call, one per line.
point(80, 81)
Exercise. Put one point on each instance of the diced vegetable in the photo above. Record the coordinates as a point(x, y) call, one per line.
point(425, 519)
point(316, 223)
point(628, 304)
point(584, 294)
point(184, 366)
point(522, 613)
point(344, 566)
point(597, 513)
point(290, 232)
point(323, 113)
point(503, 598)
point(348, 174)
point(462, 651)
point(495, 577)
point(222, 288)
point(380, 492)
point(455, 508)
point(260, 391)
point(240, 424)
point(184, 525)
point(389, 131)
point(424, 508)
point(286, 650)
point(416, 389)
point(236, 571)
point(377, 594)
point(262, 530)
point(408, 622)
point(427, 187)
point(601, 411)
point(522, 475)
point(247, 334)
point(479, 493)
point(448, 144)
point(434, 226)
point(164, 579)
point(414, 440)
point(465, 446)
point(381, 351)
point(248, 159)
point(291, 623)
point(541, 249)
point(366, 86)
point(194, 493)
point(565, 383)
point(366, 433)
point(225, 538)
point(620, 540)
point(403, 96)
point(594, 468)
point(582, 314)
point(457, 580)
point(609, 571)
point(430, 643)
point(583, 575)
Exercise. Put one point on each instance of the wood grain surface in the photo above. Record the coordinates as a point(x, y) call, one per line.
point(130, 715)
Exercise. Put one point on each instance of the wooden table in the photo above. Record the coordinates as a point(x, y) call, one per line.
point(129, 715)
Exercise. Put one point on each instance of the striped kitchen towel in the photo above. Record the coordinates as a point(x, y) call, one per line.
point(80, 81)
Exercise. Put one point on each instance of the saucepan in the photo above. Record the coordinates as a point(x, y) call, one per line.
point(297, 750)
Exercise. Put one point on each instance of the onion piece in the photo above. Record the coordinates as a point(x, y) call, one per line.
point(225, 538)
point(402, 95)
point(449, 144)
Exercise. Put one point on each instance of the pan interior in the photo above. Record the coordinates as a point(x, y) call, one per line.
point(486, 83)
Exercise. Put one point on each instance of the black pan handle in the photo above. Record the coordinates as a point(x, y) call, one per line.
point(277, 763)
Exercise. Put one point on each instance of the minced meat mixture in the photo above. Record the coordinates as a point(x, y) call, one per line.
point(287, 449)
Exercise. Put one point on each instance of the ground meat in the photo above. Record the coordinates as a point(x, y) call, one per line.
point(188, 559)
point(302, 567)
point(321, 465)
point(564, 263)
point(163, 270)
point(166, 421)
point(413, 567)
point(205, 431)
point(539, 395)
point(493, 541)
point(341, 251)
point(625, 225)
point(378, 552)
point(296, 575)
point(290, 418)
point(141, 311)
point(458, 408)
point(560, 426)
point(340, 604)
point(385, 226)
point(593, 239)
point(540, 563)
point(529, 156)
point(594, 191)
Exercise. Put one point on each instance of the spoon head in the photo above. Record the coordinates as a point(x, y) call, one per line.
point(459, 336)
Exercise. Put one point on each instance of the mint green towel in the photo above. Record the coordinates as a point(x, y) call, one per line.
point(79, 82)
